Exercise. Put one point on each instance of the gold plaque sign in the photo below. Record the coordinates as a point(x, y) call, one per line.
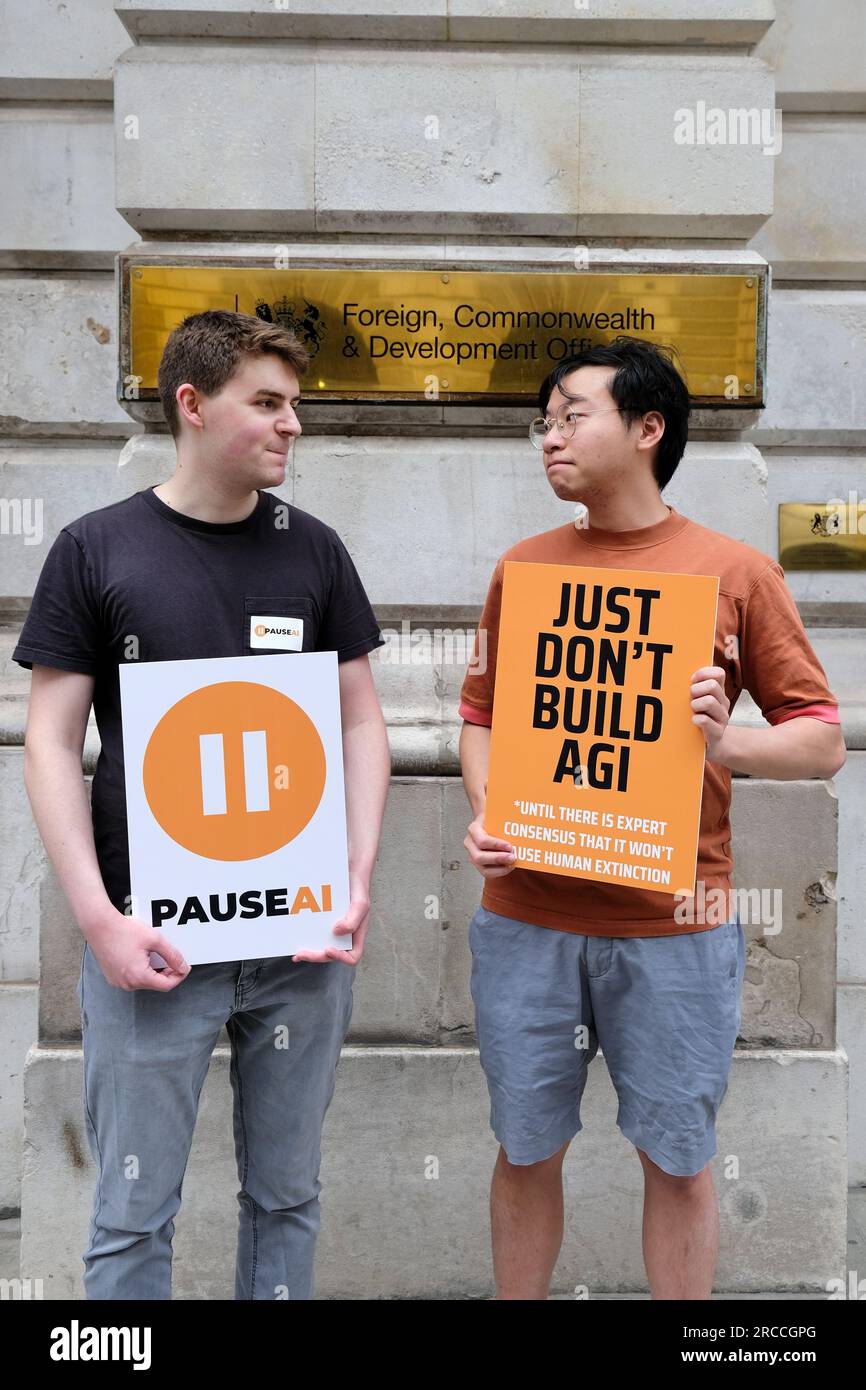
point(823, 535)
point(456, 335)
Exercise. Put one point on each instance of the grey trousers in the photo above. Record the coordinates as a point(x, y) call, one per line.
point(146, 1055)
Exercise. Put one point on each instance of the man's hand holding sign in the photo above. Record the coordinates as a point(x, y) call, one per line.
point(711, 706)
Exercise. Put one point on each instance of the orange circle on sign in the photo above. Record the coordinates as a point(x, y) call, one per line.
point(260, 629)
point(225, 796)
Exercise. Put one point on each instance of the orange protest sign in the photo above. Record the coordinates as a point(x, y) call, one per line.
point(596, 768)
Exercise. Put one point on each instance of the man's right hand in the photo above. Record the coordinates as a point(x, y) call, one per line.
point(492, 858)
point(123, 948)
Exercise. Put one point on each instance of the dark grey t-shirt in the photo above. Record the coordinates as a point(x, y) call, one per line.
point(140, 581)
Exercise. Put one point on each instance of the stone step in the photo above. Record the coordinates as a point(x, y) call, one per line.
point(407, 1158)
point(689, 22)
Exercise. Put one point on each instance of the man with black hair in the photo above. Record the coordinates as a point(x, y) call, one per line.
point(555, 958)
point(190, 569)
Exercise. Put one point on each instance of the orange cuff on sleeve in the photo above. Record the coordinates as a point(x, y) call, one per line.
point(828, 713)
point(473, 715)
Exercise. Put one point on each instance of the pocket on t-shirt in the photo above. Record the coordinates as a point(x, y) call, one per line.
point(284, 624)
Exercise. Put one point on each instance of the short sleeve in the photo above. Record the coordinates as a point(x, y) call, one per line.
point(349, 625)
point(63, 628)
point(779, 668)
point(476, 694)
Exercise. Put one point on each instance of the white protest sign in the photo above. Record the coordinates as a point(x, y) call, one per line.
point(235, 803)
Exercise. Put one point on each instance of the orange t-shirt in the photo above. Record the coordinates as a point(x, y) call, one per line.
point(773, 661)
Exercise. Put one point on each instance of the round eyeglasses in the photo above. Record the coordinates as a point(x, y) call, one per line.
point(566, 422)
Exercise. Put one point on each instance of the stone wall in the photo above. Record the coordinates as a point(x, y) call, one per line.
point(209, 125)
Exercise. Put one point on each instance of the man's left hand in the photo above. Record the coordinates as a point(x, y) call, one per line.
point(354, 920)
point(711, 708)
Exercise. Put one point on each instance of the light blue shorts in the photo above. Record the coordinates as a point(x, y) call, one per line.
point(665, 1011)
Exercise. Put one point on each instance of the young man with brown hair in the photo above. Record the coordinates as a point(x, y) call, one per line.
point(553, 955)
point(174, 572)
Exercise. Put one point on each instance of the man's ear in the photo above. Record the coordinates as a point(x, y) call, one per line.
point(188, 405)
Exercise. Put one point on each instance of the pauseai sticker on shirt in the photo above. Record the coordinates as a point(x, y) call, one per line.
point(276, 634)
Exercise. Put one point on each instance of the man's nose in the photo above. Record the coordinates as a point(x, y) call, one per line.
point(290, 425)
point(553, 440)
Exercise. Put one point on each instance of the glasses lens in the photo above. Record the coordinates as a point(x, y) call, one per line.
point(537, 431)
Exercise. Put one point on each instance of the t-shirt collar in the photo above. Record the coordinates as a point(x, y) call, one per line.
point(193, 523)
point(663, 530)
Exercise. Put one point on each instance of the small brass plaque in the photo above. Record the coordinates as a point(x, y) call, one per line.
point(455, 335)
point(827, 535)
